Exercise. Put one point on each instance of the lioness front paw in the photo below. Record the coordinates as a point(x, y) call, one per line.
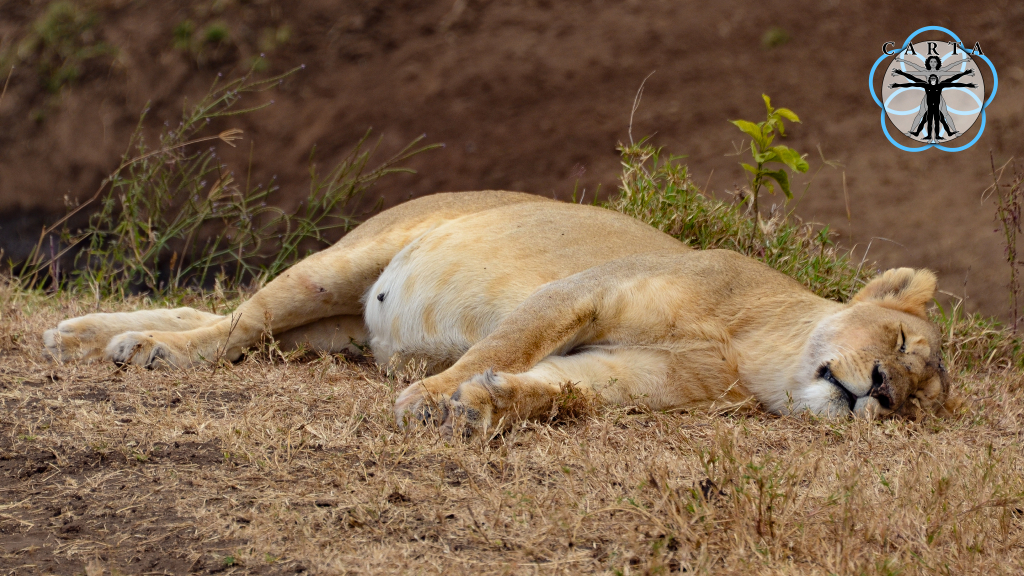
point(143, 350)
point(472, 407)
point(416, 405)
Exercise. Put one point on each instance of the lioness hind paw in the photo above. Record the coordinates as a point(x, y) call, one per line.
point(138, 348)
point(471, 408)
point(55, 346)
point(65, 344)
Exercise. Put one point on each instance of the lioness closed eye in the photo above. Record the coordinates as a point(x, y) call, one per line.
point(505, 296)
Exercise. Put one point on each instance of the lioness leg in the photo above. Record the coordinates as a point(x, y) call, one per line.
point(324, 285)
point(86, 337)
point(334, 334)
point(551, 321)
point(654, 377)
point(497, 399)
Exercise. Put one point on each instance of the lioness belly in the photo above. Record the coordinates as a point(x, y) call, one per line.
point(453, 285)
point(428, 307)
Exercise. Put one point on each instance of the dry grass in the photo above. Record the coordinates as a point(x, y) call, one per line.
point(274, 466)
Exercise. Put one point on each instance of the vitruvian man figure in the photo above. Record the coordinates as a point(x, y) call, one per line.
point(933, 107)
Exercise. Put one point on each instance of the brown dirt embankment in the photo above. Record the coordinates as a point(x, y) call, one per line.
point(533, 95)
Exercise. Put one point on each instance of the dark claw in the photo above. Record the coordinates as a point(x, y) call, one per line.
point(462, 418)
point(431, 414)
point(158, 353)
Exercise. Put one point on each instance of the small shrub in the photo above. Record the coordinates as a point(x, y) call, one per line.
point(572, 405)
point(762, 134)
point(215, 33)
point(975, 342)
point(208, 45)
point(1009, 200)
point(774, 37)
point(273, 38)
point(183, 35)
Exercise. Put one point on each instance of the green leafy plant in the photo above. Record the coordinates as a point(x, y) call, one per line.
point(273, 38)
point(774, 37)
point(176, 216)
point(215, 33)
point(270, 40)
point(762, 135)
point(182, 35)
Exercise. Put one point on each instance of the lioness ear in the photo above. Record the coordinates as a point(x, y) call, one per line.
point(903, 289)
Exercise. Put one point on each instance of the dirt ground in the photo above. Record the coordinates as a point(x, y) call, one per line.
point(534, 95)
point(294, 466)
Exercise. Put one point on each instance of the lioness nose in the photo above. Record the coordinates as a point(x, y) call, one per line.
point(880, 389)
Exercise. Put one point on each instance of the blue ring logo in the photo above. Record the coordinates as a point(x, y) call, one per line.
point(982, 107)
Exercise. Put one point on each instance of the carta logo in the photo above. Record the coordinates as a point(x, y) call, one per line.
point(933, 91)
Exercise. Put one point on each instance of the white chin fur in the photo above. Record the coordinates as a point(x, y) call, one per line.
point(821, 398)
point(867, 407)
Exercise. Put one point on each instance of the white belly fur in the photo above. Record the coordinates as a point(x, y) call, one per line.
point(434, 306)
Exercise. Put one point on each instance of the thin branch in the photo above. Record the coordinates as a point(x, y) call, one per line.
point(6, 82)
point(636, 104)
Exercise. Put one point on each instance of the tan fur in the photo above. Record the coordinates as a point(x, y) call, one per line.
point(505, 296)
point(903, 289)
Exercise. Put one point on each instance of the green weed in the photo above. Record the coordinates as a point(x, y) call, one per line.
point(273, 38)
point(976, 342)
point(175, 216)
point(211, 42)
point(1009, 200)
point(774, 37)
point(215, 33)
point(59, 45)
point(182, 35)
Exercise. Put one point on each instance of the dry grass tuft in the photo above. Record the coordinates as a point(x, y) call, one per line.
point(572, 406)
point(279, 465)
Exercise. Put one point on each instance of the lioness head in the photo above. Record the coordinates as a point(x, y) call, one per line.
point(880, 355)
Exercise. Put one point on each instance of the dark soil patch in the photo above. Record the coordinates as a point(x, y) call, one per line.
point(199, 453)
point(96, 500)
point(94, 395)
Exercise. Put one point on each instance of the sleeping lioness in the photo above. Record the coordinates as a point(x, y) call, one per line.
point(506, 296)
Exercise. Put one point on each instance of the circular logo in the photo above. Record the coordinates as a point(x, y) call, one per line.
point(933, 92)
